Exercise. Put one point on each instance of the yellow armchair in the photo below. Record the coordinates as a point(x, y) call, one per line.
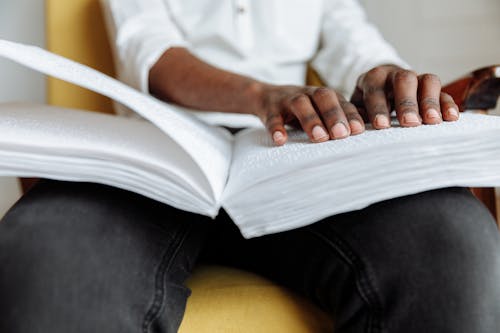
point(223, 299)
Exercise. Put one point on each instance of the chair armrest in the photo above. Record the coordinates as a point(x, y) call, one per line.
point(478, 90)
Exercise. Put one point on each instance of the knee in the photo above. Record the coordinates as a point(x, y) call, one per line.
point(55, 212)
point(441, 248)
point(77, 244)
point(58, 225)
point(55, 221)
point(54, 204)
point(450, 222)
point(445, 242)
point(83, 227)
point(437, 250)
point(447, 226)
point(438, 239)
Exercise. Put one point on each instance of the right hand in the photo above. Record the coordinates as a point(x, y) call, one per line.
point(321, 112)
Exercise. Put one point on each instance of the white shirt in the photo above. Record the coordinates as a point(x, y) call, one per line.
point(269, 40)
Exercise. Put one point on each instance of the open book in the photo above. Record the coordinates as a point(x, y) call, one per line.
point(173, 157)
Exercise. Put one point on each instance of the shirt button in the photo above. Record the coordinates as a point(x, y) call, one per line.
point(241, 9)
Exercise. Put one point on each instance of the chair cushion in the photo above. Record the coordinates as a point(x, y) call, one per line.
point(230, 300)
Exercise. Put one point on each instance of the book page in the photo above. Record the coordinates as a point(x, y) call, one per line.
point(209, 146)
point(256, 158)
point(59, 143)
point(273, 189)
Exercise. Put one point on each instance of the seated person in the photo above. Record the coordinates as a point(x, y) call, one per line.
point(80, 257)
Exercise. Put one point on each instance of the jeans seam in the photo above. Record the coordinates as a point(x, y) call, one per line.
point(364, 280)
point(160, 279)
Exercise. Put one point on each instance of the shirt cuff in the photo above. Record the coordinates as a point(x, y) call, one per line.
point(143, 58)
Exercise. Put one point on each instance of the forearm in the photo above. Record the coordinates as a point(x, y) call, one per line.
point(182, 78)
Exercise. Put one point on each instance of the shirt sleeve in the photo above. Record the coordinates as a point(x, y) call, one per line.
point(140, 31)
point(350, 46)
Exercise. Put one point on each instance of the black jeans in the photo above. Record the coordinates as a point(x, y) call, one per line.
point(81, 257)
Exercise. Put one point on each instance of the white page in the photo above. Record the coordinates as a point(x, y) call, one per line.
point(116, 174)
point(39, 134)
point(281, 204)
point(273, 189)
point(208, 146)
point(256, 158)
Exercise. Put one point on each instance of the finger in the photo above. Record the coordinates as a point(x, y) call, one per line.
point(276, 127)
point(429, 90)
point(375, 99)
point(353, 114)
point(405, 85)
point(449, 107)
point(357, 97)
point(311, 123)
point(354, 117)
point(357, 101)
point(327, 104)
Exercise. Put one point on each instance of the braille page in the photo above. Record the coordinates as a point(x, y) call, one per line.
point(58, 143)
point(256, 158)
point(209, 146)
point(273, 189)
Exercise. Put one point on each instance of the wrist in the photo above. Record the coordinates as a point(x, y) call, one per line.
point(255, 97)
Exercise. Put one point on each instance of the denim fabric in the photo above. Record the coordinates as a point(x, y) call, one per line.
point(81, 257)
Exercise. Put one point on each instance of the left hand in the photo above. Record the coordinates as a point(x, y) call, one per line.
point(416, 98)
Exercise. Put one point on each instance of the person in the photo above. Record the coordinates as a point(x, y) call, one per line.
point(82, 257)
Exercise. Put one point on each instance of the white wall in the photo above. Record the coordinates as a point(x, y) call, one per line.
point(20, 20)
point(446, 37)
point(23, 21)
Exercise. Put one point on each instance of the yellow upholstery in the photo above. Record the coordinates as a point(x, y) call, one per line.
point(75, 29)
point(223, 299)
point(230, 300)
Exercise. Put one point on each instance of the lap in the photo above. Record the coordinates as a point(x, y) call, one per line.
point(409, 222)
point(83, 213)
point(398, 254)
point(343, 263)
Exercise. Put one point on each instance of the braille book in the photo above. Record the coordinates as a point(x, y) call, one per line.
point(171, 156)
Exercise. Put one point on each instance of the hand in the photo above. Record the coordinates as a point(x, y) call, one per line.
point(416, 98)
point(321, 112)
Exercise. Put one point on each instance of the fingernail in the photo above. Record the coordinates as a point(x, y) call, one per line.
point(411, 118)
point(278, 137)
point(340, 131)
point(356, 126)
point(433, 114)
point(319, 133)
point(381, 121)
point(453, 112)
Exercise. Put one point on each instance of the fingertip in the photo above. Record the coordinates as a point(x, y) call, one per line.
point(381, 121)
point(452, 114)
point(279, 138)
point(340, 131)
point(411, 119)
point(432, 117)
point(356, 127)
point(318, 134)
